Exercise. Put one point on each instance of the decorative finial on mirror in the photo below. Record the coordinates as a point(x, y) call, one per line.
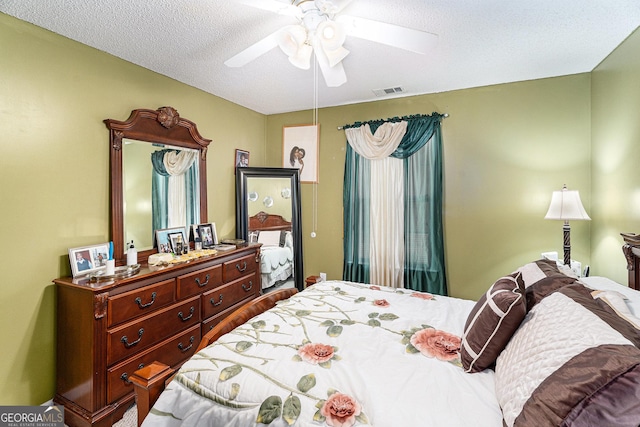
point(117, 140)
point(168, 117)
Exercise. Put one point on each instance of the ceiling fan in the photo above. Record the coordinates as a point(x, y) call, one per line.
point(321, 29)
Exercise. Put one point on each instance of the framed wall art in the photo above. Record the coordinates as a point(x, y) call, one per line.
point(241, 159)
point(88, 259)
point(300, 150)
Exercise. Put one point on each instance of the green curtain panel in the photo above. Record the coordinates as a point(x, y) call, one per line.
point(421, 151)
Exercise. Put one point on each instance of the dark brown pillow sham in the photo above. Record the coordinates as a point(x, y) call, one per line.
point(492, 322)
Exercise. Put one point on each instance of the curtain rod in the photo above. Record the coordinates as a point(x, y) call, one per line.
point(445, 115)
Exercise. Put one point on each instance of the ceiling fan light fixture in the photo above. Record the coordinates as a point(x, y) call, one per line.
point(291, 38)
point(331, 35)
point(302, 58)
point(336, 56)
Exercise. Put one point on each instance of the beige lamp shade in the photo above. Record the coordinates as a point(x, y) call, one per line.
point(566, 205)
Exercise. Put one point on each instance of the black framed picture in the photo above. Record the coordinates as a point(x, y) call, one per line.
point(208, 235)
point(241, 159)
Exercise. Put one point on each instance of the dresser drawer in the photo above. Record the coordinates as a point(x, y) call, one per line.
point(236, 268)
point(130, 339)
point(124, 307)
point(172, 352)
point(199, 281)
point(211, 322)
point(217, 300)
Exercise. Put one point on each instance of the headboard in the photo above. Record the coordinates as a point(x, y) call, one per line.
point(631, 250)
point(264, 221)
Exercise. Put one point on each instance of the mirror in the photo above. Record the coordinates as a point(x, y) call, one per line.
point(131, 141)
point(268, 199)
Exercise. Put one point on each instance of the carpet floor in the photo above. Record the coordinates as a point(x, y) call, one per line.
point(129, 419)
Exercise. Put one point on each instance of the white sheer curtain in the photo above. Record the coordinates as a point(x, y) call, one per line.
point(387, 194)
point(176, 165)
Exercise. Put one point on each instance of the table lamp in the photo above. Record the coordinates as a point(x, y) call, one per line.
point(566, 205)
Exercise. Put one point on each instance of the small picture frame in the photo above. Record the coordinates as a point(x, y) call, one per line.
point(241, 159)
point(177, 243)
point(166, 237)
point(208, 235)
point(194, 234)
point(88, 259)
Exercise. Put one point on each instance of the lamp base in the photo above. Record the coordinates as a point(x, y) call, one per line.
point(567, 243)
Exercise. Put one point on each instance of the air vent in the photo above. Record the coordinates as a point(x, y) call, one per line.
point(388, 91)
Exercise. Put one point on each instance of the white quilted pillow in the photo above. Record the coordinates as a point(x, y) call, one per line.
point(269, 238)
point(553, 332)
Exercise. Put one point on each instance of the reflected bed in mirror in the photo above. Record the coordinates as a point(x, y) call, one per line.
point(276, 254)
point(277, 226)
point(180, 163)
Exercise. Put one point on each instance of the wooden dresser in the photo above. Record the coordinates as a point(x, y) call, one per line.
point(107, 330)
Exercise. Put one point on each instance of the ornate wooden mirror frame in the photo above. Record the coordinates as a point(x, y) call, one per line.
point(161, 126)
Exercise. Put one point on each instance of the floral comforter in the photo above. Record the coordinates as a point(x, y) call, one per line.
point(338, 354)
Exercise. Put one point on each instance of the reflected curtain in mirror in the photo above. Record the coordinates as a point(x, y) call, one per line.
point(174, 188)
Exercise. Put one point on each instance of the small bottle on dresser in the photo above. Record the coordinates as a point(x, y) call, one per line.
point(132, 255)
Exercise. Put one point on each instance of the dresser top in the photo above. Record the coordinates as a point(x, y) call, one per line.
point(161, 272)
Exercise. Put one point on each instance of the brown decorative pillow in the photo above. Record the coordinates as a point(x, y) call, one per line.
point(541, 278)
point(492, 322)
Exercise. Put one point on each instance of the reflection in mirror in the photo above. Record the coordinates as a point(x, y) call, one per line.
point(132, 203)
point(160, 188)
point(276, 223)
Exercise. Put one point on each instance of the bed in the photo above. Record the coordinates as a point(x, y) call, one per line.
point(276, 255)
point(540, 347)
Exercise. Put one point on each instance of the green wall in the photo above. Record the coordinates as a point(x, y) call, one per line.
point(616, 156)
point(54, 95)
point(506, 148)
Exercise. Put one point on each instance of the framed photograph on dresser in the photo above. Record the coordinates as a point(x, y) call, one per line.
point(166, 237)
point(88, 259)
point(208, 235)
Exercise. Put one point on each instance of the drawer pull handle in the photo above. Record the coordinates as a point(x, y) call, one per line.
point(125, 377)
point(206, 282)
point(128, 344)
point(216, 303)
point(184, 319)
point(247, 289)
point(243, 268)
point(141, 305)
point(180, 346)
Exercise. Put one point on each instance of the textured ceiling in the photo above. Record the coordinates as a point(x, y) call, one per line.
point(481, 42)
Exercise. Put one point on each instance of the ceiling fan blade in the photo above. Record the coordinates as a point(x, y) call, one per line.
point(341, 4)
point(254, 51)
point(389, 34)
point(333, 76)
point(273, 6)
